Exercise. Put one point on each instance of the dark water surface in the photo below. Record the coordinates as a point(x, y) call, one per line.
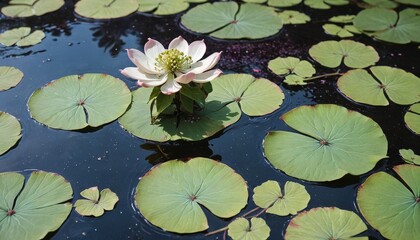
point(110, 157)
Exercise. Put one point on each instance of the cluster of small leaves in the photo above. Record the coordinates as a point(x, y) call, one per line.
point(409, 156)
point(293, 17)
point(294, 69)
point(29, 8)
point(106, 9)
point(96, 203)
point(346, 30)
point(22, 37)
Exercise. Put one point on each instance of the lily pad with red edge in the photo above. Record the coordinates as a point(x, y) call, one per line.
point(29, 8)
point(106, 9)
point(242, 229)
point(96, 203)
point(412, 118)
point(409, 156)
point(9, 77)
point(22, 37)
point(39, 208)
point(10, 131)
point(391, 205)
point(172, 194)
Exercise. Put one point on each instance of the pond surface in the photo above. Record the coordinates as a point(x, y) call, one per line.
point(110, 157)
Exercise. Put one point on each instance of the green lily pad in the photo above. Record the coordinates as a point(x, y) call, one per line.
point(412, 118)
point(331, 141)
point(293, 79)
point(106, 9)
point(22, 37)
point(294, 17)
point(10, 131)
point(324, 4)
point(28, 8)
point(96, 203)
point(342, 19)
point(410, 2)
point(353, 54)
point(401, 87)
point(325, 223)
point(165, 7)
point(169, 196)
point(276, 3)
point(228, 20)
point(269, 195)
point(242, 229)
point(409, 156)
point(380, 4)
point(289, 65)
point(77, 101)
point(390, 206)
point(41, 207)
point(9, 77)
point(336, 30)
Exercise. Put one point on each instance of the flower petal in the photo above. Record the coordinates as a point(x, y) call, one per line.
point(140, 60)
point(152, 49)
point(135, 73)
point(179, 43)
point(156, 83)
point(185, 78)
point(205, 64)
point(207, 76)
point(171, 86)
point(196, 50)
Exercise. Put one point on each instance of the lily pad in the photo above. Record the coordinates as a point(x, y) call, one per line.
point(390, 206)
point(9, 77)
point(169, 196)
point(331, 141)
point(336, 30)
point(410, 2)
point(276, 3)
point(294, 17)
point(228, 20)
point(409, 156)
point(353, 54)
point(324, 4)
point(165, 7)
point(28, 8)
point(380, 4)
point(10, 132)
point(41, 207)
point(77, 101)
point(96, 203)
point(325, 223)
point(106, 9)
point(242, 229)
point(412, 118)
point(342, 19)
point(22, 37)
point(289, 65)
point(269, 195)
point(401, 87)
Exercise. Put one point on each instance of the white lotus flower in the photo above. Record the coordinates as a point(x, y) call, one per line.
point(168, 68)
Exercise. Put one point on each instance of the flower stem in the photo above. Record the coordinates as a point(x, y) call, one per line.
point(323, 75)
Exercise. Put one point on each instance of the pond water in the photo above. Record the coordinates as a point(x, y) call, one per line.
point(110, 157)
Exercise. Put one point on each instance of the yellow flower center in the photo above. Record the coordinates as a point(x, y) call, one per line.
point(172, 60)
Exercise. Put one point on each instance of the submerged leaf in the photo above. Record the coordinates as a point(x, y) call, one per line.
point(9, 77)
point(10, 132)
point(409, 156)
point(105, 9)
point(28, 8)
point(412, 118)
point(242, 229)
point(96, 204)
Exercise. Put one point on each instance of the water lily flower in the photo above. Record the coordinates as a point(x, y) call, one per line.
point(169, 68)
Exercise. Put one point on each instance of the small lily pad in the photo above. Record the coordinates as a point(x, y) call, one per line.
point(412, 118)
point(276, 3)
point(380, 4)
point(325, 223)
point(336, 30)
point(41, 207)
point(269, 195)
point(410, 2)
point(28, 8)
point(106, 9)
point(242, 229)
point(401, 87)
point(342, 19)
point(353, 54)
point(331, 141)
point(9, 77)
point(169, 196)
point(22, 37)
point(96, 203)
point(324, 4)
point(294, 17)
point(10, 131)
point(293, 79)
point(289, 65)
point(165, 7)
point(77, 101)
point(409, 156)
point(391, 206)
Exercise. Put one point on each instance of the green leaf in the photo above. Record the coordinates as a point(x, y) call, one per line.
point(163, 7)
point(9, 77)
point(390, 206)
point(163, 101)
point(333, 29)
point(324, 4)
point(106, 9)
point(41, 207)
point(400, 86)
point(342, 19)
point(325, 223)
point(96, 204)
point(336, 140)
point(22, 37)
point(289, 65)
point(187, 104)
point(411, 2)
point(242, 229)
point(409, 156)
point(283, 3)
point(75, 102)
point(194, 93)
point(10, 131)
point(294, 17)
point(169, 196)
point(294, 80)
point(28, 8)
point(353, 54)
point(381, 3)
point(269, 195)
point(412, 118)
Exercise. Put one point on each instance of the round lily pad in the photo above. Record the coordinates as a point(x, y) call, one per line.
point(106, 9)
point(353, 54)
point(165, 7)
point(400, 86)
point(10, 131)
point(28, 8)
point(228, 20)
point(169, 196)
point(294, 17)
point(96, 203)
point(22, 37)
point(409, 156)
point(412, 118)
point(242, 229)
point(41, 207)
point(331, 141)
point(324, 4)
point(391, 206)
point(9, 77)
point(269, 195)
point(325, 223)
point(77, 101)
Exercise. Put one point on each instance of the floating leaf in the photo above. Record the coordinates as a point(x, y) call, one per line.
point(390, 206)
point(409, 156)
point(400, 86)
point(39, 208)
point(342, 19)
point(96, 203)
point(106, 9)
point(9, 77)
point(77, 101)
point(22, 37)
point(324, 4)
point(228, 20)
point(10, 130)
point(169, 196)
point(269, 195)
point(165, 7)
point(380, 4)
point(294, 80)
point(353, 54)
point(333, 29)
point(325, 223)
point(288, 65)
point(411, 2)
point(330, 142)
point(294, 17)
point(412, 118)
point(28, 8)
point(242, 229)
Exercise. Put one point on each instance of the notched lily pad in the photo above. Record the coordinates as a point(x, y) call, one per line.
point(336, 30)
point(242, 229)
point(28, 8)
point(96, 203)
point(22, 37)
point(412, 118)
point(324, 4)
point(106, 9)
point(409, 156)
point(9, 77)
point(10, 132)
point(294, 17)
point(169, 196)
